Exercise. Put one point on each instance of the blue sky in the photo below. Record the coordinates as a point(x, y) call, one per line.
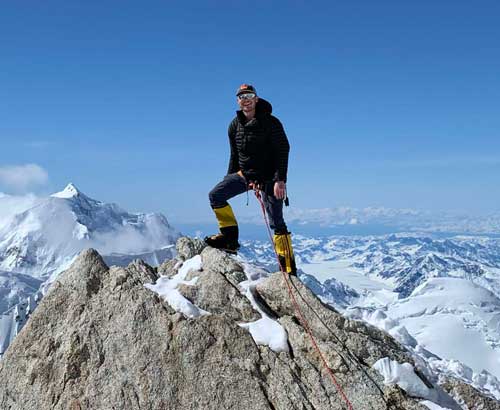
point(385, 103)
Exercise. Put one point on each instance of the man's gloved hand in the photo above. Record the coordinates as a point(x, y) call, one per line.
point(280, 190)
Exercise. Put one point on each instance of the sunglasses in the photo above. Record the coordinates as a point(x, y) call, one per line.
point(247, 96)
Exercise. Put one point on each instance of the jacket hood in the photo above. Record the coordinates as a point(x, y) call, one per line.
point(263, 107)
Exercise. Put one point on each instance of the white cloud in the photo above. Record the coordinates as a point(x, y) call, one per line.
point(12, 205)
point(22, 177)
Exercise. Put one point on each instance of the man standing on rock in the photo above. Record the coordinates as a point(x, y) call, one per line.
point(259, 160)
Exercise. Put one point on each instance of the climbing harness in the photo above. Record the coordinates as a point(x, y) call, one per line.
point(304, 322)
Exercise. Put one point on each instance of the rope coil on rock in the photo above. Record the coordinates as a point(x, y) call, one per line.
point(304, 322)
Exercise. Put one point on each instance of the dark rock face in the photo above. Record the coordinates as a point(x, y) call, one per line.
point(101, 340)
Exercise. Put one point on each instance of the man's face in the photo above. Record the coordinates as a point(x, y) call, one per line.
point(247, 104)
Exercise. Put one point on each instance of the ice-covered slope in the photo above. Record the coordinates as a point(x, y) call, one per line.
point(454, 318)
point(450, 323)
point(16, 287)
point(14, 319)
point(48, 235)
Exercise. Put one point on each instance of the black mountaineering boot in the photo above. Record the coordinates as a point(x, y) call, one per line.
point(227, 239)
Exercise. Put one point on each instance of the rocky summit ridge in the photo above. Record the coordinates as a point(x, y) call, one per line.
point(101, 339)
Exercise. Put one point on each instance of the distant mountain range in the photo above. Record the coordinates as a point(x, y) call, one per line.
point(432, 295)
point(404, 260)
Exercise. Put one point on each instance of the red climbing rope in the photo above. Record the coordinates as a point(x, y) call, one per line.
point(304, 322)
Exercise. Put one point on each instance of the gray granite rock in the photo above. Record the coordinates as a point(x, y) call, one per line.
point(188, 247)
point(101, 340)
point(169, 268)
point(219, 261)
point(217, 295)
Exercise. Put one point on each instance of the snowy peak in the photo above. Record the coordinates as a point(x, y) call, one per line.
point(49, 234)
point(71, 191)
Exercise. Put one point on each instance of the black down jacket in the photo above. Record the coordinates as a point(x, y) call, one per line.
point(259, 147)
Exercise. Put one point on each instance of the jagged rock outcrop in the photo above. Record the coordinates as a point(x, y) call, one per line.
point(101, 340)
point(467, 396)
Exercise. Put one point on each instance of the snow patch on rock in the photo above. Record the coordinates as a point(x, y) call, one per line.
point(167, 288)
point(403, 374)
point(265, 331)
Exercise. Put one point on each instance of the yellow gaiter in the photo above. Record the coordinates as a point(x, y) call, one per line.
point(225, 216)
point(283, 244)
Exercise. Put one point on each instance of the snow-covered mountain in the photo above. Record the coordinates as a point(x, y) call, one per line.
point(40, 237)
point(438, 297)
point(45, 238)
point(404, 261)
